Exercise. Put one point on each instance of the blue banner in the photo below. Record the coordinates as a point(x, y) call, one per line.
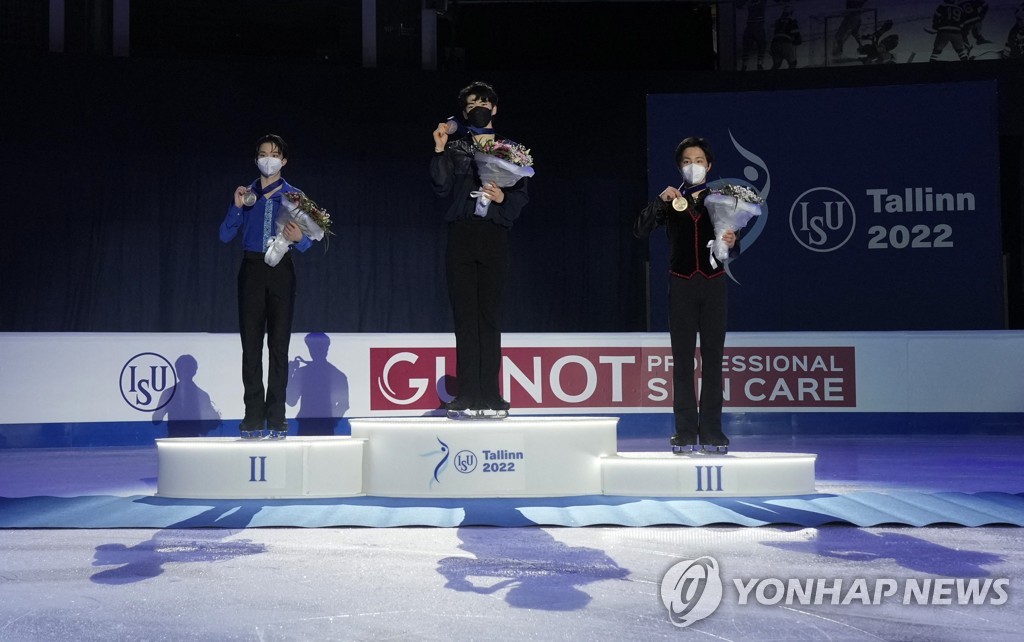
point(882, 205)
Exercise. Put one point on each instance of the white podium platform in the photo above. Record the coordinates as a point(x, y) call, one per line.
point(227, 468)
point(733, 475)
point(514, 457)
point(442, 458)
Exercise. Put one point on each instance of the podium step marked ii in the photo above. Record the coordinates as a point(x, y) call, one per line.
point(443, 458)
point(227, 468)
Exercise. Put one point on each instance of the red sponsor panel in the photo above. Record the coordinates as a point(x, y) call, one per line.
point(617, 377)
point(410, 378)
point(603, 377)
point(790, 377)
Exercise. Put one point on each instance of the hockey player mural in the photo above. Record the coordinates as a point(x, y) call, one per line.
point(850, 26)
point(785, 39)
point(819, 33)
point(754, 40)
point(877, 48)
point(973, 12)
point(947, 25)
point(1015, 39)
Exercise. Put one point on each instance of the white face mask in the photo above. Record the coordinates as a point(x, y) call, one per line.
point(269, 165)
point(694, 174)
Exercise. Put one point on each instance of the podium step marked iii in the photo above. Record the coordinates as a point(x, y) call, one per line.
point(734, 475)
point(442, 458)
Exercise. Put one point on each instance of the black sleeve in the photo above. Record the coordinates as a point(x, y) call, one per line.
point(649, 218)
point(516, 198)
point(441, 174)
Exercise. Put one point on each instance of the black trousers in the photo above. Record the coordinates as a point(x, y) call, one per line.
point(477, 264)
point(698, 305)
point(266, 301)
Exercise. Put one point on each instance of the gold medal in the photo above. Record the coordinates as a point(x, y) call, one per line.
point(680, 204)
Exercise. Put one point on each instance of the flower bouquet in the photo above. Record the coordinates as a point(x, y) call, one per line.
point(313, 220)
point(502, 163)
point(731, 207)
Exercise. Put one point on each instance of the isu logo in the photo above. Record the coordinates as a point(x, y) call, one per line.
point(465, 461)
point(143, 378)
point(822, 219)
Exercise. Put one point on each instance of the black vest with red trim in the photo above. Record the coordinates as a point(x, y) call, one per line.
point(689, 233)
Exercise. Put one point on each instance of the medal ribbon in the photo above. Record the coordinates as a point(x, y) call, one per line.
point(692, 189)
point(260, 191)
point(461, 128)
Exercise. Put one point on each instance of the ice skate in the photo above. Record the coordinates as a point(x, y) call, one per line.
point(468, 413)
point(494, 409)
point(251, 427)
point(250, 432)
point(488, 413)
point(280, 432)
point(461, 408)
point(683, 445)
point(708, 449)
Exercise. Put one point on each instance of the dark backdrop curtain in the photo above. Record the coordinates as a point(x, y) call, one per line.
point(125, 168)
point(118, 172)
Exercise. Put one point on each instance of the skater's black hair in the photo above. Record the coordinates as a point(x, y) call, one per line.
point(695, 141)
point(481, 90)
point(274, 140)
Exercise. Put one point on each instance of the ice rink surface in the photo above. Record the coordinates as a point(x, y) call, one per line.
point(479, 583)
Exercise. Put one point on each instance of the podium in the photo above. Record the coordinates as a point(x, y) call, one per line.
point(227, 468)
point(429, 457)
point(514, 457)
point(734, 475)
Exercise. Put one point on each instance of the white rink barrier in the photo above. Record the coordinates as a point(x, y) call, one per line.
point(442, 458)
point(161, 378)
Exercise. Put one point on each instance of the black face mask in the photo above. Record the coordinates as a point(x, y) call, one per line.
point(479, 116)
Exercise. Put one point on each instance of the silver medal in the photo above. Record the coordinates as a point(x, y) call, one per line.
point(250, 198)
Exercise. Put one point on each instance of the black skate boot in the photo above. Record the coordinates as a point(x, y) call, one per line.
point(279, 431)
point(496, 408)
point(251, 428)
point(461, 408)
point(713, 441)
point(684, 444)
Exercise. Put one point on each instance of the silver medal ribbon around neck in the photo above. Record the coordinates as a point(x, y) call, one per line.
point(251, 196)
